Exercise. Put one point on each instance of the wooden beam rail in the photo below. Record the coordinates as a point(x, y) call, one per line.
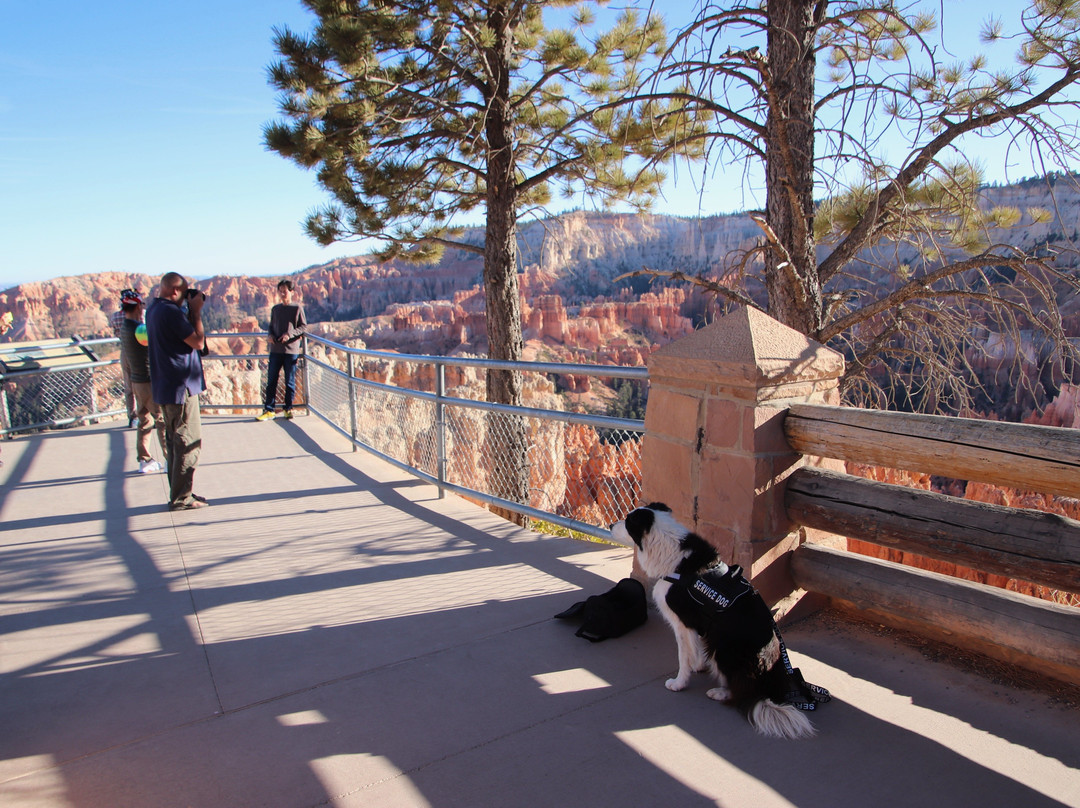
point(1002, 624)
point(1042, 548)
point(1024, 456)
point(1038, 547)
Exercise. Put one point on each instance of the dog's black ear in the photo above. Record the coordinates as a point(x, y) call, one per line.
point(658, 506)
point(638, 523)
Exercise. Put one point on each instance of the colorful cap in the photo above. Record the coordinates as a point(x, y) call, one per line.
point(130, 296)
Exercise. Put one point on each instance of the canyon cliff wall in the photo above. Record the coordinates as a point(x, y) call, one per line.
point(578, 256)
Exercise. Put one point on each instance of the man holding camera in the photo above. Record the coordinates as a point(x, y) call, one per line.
point(176, 379)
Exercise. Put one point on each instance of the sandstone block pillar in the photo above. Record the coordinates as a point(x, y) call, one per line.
point(714, 448)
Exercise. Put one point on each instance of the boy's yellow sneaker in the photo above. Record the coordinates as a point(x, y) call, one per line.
point(288, 414)
point(265, 416)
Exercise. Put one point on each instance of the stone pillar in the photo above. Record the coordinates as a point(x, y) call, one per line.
point(714, 448)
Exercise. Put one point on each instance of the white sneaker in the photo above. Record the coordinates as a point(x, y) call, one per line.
point(149, 467)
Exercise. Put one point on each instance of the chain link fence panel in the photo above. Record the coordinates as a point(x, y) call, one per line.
point(38, 400)
point(583, 472)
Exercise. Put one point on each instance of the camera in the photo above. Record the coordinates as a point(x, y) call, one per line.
point(194, 293)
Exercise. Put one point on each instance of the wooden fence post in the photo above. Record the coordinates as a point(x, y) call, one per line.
point(714, 447)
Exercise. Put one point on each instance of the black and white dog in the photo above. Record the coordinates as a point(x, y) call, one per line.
point(736, 641)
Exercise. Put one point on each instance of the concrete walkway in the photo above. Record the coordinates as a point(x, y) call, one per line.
point(329, 632)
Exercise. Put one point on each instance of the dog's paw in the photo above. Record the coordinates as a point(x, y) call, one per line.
point(718, 694)
point(675, 683)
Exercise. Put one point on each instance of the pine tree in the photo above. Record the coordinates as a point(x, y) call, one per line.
point(856, 118)
point(417, 112)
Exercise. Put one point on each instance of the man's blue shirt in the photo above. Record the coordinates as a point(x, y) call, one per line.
point(175, 367)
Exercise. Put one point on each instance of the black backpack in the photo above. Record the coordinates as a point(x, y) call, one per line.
point(619, 610)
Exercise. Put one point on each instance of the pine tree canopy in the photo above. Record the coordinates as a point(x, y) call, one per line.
point(408, 111)
point(856, 120)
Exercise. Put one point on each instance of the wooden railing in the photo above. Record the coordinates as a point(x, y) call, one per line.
point(1038, 547)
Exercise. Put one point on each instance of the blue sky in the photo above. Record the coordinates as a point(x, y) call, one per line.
point(130, 140)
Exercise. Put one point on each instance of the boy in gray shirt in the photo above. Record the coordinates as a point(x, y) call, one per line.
point(286, 333)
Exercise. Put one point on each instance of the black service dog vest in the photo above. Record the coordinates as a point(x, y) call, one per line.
point(715, 592)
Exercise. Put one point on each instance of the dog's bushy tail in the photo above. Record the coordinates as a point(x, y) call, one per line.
point(780, 720)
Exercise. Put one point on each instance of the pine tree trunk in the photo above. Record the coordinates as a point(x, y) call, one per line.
point(502, 293)
point(506, 435)
point(791, 275)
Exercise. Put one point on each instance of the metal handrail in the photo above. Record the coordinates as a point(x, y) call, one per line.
point(586, 419)
point(22, 374)
point(610, 371)
point(441, 401)
point(22, 347)
point(438, 399)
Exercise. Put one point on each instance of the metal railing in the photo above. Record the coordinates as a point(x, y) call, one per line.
point(92, 389)
point(579, 471)
point(423, 414)
point(59, 395)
